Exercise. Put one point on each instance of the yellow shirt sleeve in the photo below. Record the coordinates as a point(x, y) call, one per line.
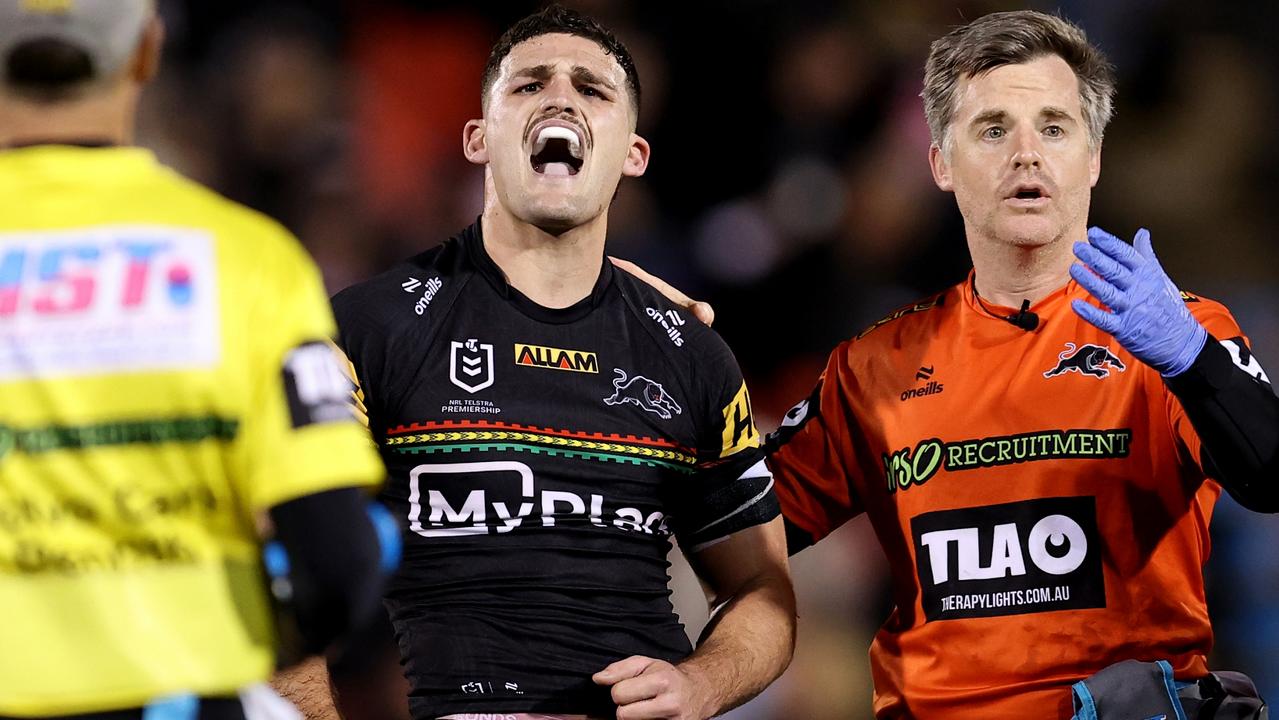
point(302, 434)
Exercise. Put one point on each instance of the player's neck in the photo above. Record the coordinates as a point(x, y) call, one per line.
point(105, 116)
point(554, 271)
point(1007, 274)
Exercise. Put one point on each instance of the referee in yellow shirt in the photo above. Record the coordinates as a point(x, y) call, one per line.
point(166, 381)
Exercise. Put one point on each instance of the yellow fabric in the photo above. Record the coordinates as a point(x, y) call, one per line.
point(144, 424)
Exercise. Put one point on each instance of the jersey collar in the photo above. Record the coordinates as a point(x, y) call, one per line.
point(1051, 304)
point(473, 240)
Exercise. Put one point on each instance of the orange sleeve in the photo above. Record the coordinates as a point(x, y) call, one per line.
point(810, 454)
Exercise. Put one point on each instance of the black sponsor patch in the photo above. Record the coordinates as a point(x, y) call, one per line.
point(317, 389)
point(1012, 559)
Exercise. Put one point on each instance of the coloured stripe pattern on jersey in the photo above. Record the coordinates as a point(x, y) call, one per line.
point(465, 436)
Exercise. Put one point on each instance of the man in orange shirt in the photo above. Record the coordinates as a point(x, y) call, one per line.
point(1040, 471)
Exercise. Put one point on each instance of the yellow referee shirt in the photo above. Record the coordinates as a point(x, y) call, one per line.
point(165, 376)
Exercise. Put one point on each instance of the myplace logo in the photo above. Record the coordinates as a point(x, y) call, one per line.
point(1011, 559)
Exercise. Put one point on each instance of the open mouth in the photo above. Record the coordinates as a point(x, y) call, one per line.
point(557, 152)
point(1029, 195)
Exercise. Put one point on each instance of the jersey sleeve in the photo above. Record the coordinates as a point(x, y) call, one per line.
point(1224, 412)
point(730, 489)
point(1224, 330)
point(301, 434)
point(809, 455)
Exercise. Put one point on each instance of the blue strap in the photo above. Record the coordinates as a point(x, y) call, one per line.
point(1085, 706)
point(388, 536)
point(173, 707)
point(1170, 685)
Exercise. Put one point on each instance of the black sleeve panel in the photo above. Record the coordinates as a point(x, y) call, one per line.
point(333, 563)
point(1236, 414)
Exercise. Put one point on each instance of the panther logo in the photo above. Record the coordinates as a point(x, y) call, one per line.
point(647, 394)
point(1086, 360)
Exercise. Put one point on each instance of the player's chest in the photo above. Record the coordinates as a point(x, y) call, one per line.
point(585, 387)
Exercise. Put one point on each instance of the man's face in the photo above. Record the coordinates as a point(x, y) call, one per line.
point(1019, 162)
point(558, 132)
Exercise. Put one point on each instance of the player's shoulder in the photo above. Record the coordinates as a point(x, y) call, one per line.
point(411, 291)
point(673, 324)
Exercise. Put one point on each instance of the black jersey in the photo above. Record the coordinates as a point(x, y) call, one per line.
point(541, 459)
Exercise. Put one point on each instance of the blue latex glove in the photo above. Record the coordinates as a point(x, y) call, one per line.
point(1147, 314)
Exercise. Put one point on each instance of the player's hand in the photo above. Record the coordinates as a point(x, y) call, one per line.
point(1147, 314)
point(701, 310)
point(648, 689)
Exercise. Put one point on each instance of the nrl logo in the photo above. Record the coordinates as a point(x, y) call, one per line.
point(474, 362)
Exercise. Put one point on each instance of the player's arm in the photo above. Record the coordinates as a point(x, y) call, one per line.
point(745, 646)
point(1224, 392)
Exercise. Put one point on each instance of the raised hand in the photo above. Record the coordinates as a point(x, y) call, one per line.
point(1147, 314)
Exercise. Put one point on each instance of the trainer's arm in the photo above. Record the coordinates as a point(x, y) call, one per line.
point(1236, 415)
point(745, 646)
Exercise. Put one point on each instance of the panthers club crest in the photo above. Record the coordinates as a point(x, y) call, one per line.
point(1092, 360)
point(645, 394)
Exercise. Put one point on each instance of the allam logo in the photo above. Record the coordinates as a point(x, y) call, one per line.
point(556, 358)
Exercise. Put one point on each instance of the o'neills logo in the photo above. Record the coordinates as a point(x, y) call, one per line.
point(932, 388)
point(556, 358)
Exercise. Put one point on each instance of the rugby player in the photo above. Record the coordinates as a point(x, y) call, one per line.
point(1039, 470)
point(549, 422)
point(167, 382)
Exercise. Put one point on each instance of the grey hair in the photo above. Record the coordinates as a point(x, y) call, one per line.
point(1010, 38)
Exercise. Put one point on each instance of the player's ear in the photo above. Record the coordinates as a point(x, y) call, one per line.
point(1094, 167)
point(145, 63)
point(941, 168)
point(636, 157)
point(474, 143)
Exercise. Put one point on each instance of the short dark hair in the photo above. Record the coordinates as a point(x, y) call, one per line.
point(555, 19)
point(47, 69)
point(1010, 38)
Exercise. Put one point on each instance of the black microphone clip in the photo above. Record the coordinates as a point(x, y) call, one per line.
point(1024, 318)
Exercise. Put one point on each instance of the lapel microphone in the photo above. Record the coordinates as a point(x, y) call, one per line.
point(1023, 318)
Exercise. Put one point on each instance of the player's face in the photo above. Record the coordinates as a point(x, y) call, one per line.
point(1019, 163)
point(558, 132)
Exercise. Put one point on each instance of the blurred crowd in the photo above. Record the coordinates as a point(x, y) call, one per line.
point(788, 186)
